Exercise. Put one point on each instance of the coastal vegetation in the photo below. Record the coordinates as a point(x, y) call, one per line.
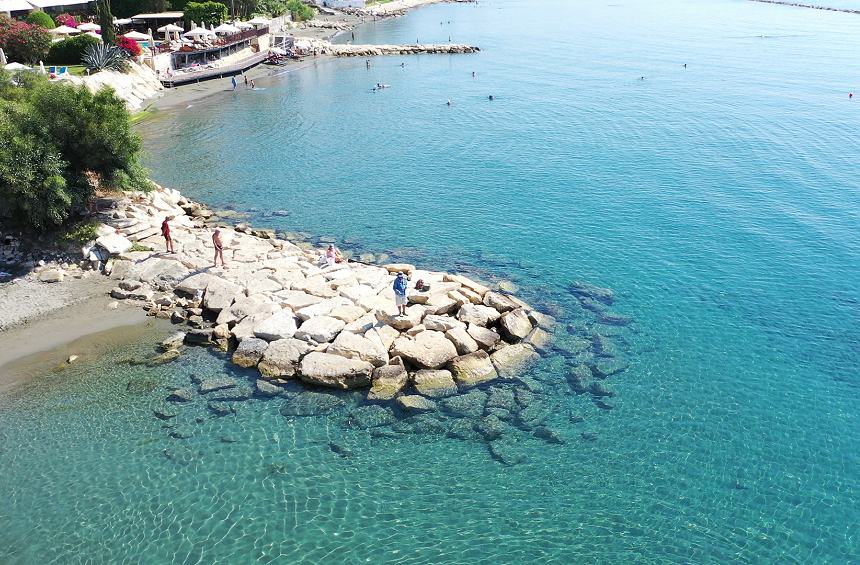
point(205, 13)
point(58, 144)
point(71, 50)
point(100, 57)
point(106, 22)
point(300, 12)
point(22, 42)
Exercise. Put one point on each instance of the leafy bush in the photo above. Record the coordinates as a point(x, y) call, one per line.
point(80, 232)
point(205, 14)
point(66, 20)
point(100, 57)
point(300, 12)
point(272, 8)
point(22, 42)
point(55, 138)
point(130, 46)
point(40, 18)
point(70, 51)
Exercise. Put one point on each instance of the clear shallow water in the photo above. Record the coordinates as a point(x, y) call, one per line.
point(719, 201)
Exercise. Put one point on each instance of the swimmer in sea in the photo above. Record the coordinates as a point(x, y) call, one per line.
point(449, 102)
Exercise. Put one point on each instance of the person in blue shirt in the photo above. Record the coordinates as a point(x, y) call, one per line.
point(400, 293)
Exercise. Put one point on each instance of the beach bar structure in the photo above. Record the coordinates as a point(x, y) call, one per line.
point(211, 58)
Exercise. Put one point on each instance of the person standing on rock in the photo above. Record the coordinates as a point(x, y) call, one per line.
point(219, 246)
point(165, 231)
point(400, 285)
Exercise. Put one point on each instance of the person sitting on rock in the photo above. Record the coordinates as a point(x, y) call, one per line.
point(333, 256)
point(400, 285)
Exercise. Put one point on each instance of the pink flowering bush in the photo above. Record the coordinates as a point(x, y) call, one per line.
point(22, 42)
point(66, 20)
point(130, 46)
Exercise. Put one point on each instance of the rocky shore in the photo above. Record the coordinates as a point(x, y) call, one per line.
point(457, 364)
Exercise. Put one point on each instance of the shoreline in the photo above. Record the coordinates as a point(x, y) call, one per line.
point(186, 95)
point(47, 317)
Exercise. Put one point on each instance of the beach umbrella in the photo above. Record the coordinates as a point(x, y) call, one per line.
point(136, 36)
point(243, 25)
point(93, 34)
point(260, 21)
point(225, 28)
point(198, 32)
point(17, 67)
point(3, 60)
point(89, 26)
point(122, 22)
point(63, 30)
point(166, 30)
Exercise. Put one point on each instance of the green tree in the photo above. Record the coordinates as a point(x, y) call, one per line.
point(40, 18)
point(106, 21)
point(300, 12)
point(206, 13)
point(56, 142)
point(128, 8)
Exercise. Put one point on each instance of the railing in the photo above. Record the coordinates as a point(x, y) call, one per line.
point(208, 71)
point(225, 41)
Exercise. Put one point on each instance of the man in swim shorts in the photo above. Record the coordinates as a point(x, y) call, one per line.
point(219, 246)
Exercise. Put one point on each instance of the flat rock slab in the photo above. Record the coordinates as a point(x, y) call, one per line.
point(114, 243)
point(195, 283)
point(281, 325)
point(265, 388)
point(321, 329)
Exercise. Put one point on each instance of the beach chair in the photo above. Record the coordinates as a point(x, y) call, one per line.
point(52, 70)
point(63, 70)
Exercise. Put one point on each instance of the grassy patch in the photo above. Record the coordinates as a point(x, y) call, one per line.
point(141, 115)
point(79, 232)
point(135, 246)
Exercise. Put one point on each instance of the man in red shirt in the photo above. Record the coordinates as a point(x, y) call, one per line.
point(165, 231)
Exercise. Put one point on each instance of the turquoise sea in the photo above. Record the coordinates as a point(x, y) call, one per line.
point(719, 201)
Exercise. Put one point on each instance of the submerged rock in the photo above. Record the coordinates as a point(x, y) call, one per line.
point(415, 403)
point(140, 386)
point(311, 404)
point(210, 385)
point(579, 288)
point(371, 416)
point(265, 388)
point(182, 395)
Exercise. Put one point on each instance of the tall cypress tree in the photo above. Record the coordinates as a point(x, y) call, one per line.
point(106, 21)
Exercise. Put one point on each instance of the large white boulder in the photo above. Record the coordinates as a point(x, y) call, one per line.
point(516, 324)
point(321, 329)
point(441, 323)
point(461, 339)
point(427, 350)
point(388, 381)
point(477, 314)
point(389, 316)
point(321, 308)
point(334, 371)
point(281, 325)
point(220, 294)
point(511, 360)
point(473, 369)
point(281, 357)
point(114, 243)
point(353, 346)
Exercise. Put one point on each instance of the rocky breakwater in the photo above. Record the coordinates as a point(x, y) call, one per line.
point(454, 365)
point(376, 50)
point(139, 84)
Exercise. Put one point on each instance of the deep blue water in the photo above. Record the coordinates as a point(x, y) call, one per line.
point(719, 201)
